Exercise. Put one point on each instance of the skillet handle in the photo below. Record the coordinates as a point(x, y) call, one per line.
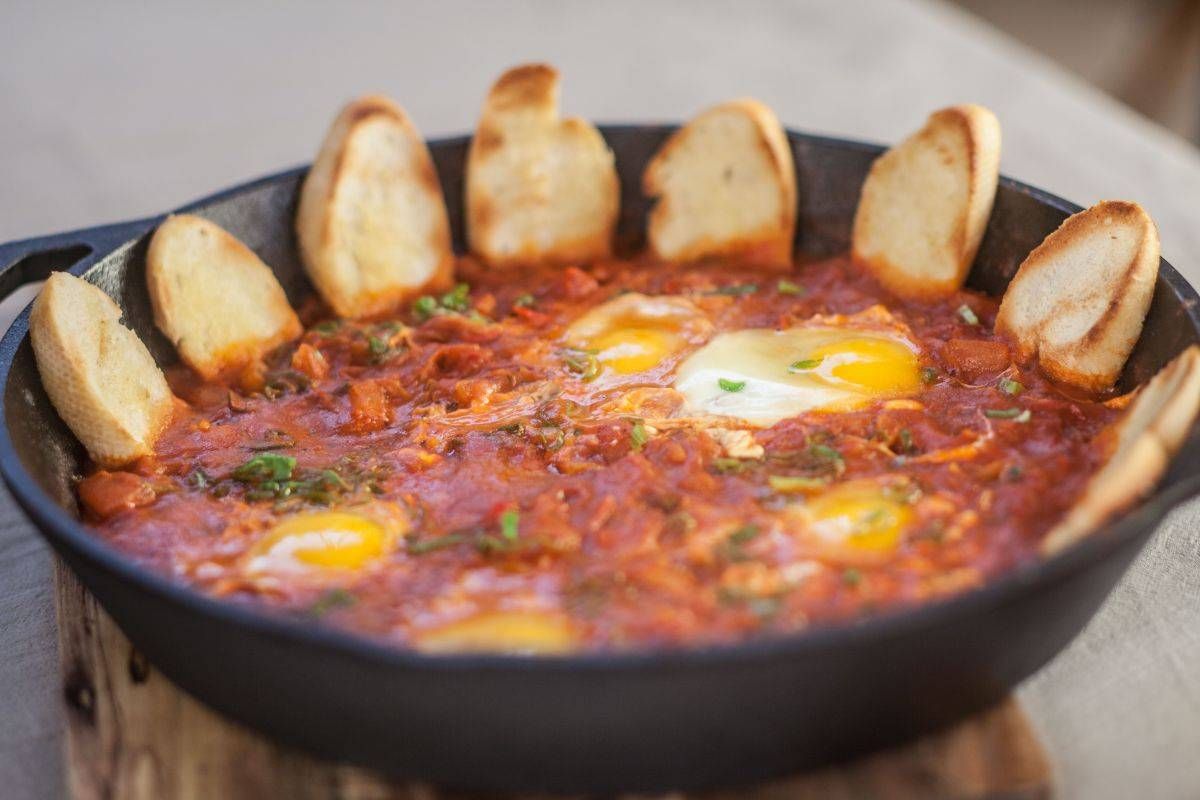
point(29, 260)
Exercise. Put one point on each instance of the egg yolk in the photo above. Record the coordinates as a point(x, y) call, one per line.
point(860, 516)
point(321, 540)
point(633, 332)
point(872, 363)
point(522, 632)
point(762, 376)
point(634, 348)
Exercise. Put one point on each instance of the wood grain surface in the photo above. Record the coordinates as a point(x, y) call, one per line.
point(132, 734)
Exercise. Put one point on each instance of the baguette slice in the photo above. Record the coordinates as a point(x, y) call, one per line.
point(725, 185)
point(213, 298)
point(372, 221)
point(540, 189)
point(100, 377)
point(1153, 429)
point(926, 202)
point(1079, 299)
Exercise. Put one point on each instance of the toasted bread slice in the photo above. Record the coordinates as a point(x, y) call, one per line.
point(213, 298)
point(1079, 299)
point(372, 221)
point(100, 377)
point(1153, 429)
point(540, 189)
point(926, 202)
point(725, 185)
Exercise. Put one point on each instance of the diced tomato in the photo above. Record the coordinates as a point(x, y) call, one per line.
point(369, 407)
point(308, 359)
point(972, 358)
point(575, 283)
point(105, 494)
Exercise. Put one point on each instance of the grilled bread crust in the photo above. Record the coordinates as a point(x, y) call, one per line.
point(213, 298)
point(540, 189)
point(100, 377)
point(724, 184)
point(1153, 429)
point(1078, 301)
point(372, 222)
point(926, 202)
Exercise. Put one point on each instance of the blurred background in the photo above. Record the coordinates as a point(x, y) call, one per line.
point(118, 109)
point(1145, 53)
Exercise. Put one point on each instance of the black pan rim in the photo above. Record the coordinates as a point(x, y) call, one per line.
point(69, 535)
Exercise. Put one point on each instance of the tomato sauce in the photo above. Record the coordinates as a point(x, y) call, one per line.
point(518, 486)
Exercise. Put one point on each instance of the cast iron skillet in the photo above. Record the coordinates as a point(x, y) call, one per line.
point(644, 720)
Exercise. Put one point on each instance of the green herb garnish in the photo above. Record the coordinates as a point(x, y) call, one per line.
point(327, 327)
point(787, 287)
point(968, 315)
point(457, 298)
point(331, 600)
point(582, 362)
point(929, 376)
point(730, 386)
point(737, 289)
point(523, 301)
point(1015, 414)
point(791, 484)
point(425, 307)
point(1011, 387)
point(852, 577)
point(744, 534)
point(728, 466)
point(418, 547)
point(804, 364)
point(510, 521)
point(637, 434)
point(265, 467)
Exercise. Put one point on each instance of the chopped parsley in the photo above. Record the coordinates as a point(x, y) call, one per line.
point(331, 600)
point(968, 315)
point(457, 298)
point(1011, 387)
point(419, 547)
point(327, 328)
point(270, 476)
point(425, 307)
point(929, 376)
point(728, 466)
point(792, 484)
point(804, 364)
point(1015, 414)
point(455, 301)
point(744, 534)
point(852, 577)
point(737, 289)
point(733, 547)
point(637, 434)
point(510, 522)
point(730, 386)
point(582, 363)
point(265, 467)
point(788, 287)
point(523, 301)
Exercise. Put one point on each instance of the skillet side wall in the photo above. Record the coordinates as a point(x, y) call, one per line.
point(676, 720)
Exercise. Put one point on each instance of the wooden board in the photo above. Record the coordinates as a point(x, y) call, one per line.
point(132, 734)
